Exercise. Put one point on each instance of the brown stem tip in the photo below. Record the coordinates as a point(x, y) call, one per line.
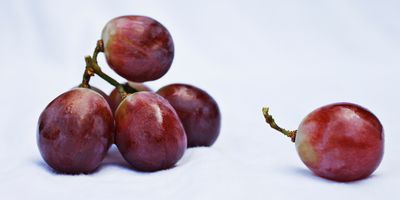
point(270, 120)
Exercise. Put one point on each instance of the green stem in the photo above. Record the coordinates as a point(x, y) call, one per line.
point(270, 120)
point(97, 70)
point(92, 68)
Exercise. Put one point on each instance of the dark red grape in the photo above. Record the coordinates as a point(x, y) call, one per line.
point(342, 142)
point(75, 131)
point(149, 133)
point(138, 48)
point(130, 87)
point(197, 110)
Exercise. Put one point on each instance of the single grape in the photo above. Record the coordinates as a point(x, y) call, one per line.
point(138, 48)
point(149, 133)
point(197, 110)
point(75, 131)
point(130, 87)
point(341, 142)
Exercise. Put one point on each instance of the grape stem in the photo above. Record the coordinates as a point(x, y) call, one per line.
point(270, 120)
point(92, 68)
point(99, 48)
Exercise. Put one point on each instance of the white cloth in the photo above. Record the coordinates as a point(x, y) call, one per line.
point(293, 56)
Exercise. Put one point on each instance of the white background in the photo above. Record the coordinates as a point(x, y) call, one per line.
point(293, 56)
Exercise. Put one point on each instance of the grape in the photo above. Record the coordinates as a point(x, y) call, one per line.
point(197, 110)
point(149, 133)
point(75, 131)
point(130, 87)
point(342, 142)
point(138, 48)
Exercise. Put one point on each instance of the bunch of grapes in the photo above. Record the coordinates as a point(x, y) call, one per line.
point(151, 129)
point(342, 141)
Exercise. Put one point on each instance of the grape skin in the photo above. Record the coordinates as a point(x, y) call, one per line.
point(342, 142)
point(149, 134)
point(197, 110)
point(75, 131)
point(138, 48)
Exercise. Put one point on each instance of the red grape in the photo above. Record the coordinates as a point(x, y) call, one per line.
point(197, 110)
point(149, 133)
point(130, 87)
point(138, 48)
point(75, 131)
point(342, 142)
